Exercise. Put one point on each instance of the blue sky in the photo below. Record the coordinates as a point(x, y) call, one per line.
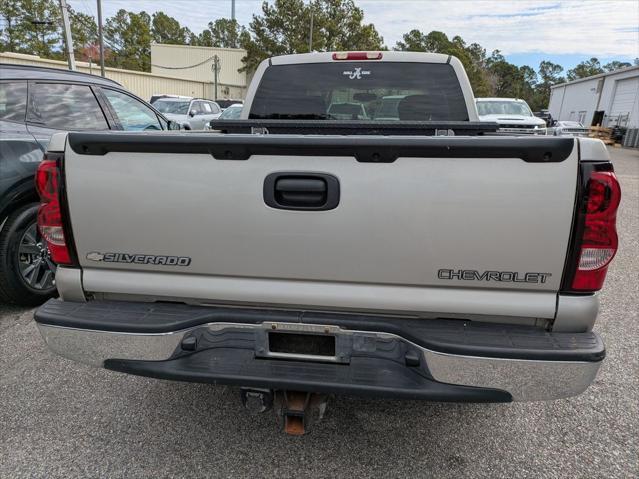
point(526, 31)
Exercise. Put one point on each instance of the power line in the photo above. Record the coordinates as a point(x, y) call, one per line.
point(184, 68)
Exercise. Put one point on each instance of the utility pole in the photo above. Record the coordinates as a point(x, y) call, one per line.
point(216, 71)
point(67, 33)
point(100, 37)
point(310, 36)
point(232, 9)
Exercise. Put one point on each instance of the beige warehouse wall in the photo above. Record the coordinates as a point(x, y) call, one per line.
point(142, 84)
point(200, 59)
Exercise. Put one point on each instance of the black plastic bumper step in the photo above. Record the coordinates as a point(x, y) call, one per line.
point(369, 377)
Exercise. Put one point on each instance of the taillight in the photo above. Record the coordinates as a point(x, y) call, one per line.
point(46, 179)
point(50, 225)
point(598, 242)
point(357, 56)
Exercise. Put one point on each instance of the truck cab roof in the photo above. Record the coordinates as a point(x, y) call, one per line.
point(385, 56)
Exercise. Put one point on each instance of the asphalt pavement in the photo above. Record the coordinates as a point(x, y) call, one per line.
point(61, 419)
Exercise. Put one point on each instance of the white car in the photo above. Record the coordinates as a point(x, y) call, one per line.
point(190, 113)
point(232, 112)
point(568, 128)
point(512, 114)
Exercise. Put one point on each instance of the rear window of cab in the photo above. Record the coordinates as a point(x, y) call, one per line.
point(360, 91)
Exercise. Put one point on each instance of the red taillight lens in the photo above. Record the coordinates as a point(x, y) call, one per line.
point(357, 56)
point(599, 240)
point(50, 226)
point(46, 180)
point(49, 215)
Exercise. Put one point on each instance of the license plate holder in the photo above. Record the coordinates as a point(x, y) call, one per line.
point(303, 342)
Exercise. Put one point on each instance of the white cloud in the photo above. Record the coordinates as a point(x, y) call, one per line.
point(599, 28)
point(588, 27)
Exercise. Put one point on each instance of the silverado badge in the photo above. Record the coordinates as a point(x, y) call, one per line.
point(139, 259)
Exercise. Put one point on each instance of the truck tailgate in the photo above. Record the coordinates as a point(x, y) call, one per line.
point(429, 225)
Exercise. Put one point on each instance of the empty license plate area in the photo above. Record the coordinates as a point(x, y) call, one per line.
point(303, 342)
point(299, 343)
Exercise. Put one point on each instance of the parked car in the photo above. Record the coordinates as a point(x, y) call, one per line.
point(363, 258)
point(35, 103)
point(568, 128)
point(512, 114)
point(190, 113)
point(157, 96)
point(233, 112)
point(225, 103)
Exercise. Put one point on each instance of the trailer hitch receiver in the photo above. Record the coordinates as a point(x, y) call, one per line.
point(299, 411)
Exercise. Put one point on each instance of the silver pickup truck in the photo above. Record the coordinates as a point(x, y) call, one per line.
point(420, 255)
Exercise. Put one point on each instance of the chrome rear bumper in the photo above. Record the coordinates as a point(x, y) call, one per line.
point(523, 379)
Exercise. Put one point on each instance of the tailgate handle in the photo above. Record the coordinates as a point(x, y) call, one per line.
point(301, 191)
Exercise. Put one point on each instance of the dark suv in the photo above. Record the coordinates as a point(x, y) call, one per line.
point(36, 102)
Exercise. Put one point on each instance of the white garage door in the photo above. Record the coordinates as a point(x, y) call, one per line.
point(625, 96)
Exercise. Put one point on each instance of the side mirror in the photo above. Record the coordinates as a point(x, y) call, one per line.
point(192, 113)
point(174, 125)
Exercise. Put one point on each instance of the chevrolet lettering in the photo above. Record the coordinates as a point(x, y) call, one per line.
point(500, 276)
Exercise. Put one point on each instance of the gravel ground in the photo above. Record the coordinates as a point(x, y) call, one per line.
point(61, 419)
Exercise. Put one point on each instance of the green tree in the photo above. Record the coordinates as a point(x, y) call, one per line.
point(35, 27)
point(529, 74)
point(224, 33)
point(339, 25)
point(129, 36)
point(473, 57)
point(549, 75)
point(204, 39)
point(284, 27)
point(616, 65)
point(506, 79)
point(416, 41)
point(585, 69)
point(477, 54)
point(84, 30)
point(31, 26)
point(11, 26)
point(165, 29)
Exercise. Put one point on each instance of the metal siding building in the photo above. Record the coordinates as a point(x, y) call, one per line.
point(142, 84)
point(172, 60)
point(609, 99)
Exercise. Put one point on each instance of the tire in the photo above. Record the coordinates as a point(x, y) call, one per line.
point(26, 271)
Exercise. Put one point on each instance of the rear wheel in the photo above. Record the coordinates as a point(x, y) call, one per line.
point(27, 273)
